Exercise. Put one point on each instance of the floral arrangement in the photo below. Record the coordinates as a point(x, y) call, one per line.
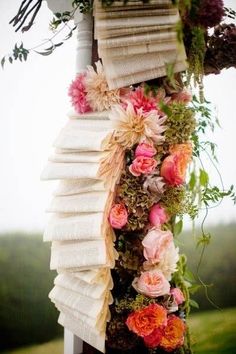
point(153, 302)
point(157, 129)
point(153, 129)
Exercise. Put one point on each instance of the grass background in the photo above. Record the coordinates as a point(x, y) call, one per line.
point(212, 332)
point(28, 318)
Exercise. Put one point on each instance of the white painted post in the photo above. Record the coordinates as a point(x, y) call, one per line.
point(73, 344)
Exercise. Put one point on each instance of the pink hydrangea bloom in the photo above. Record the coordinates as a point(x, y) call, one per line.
point(77, 92)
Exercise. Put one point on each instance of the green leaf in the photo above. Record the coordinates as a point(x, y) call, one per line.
point(3, 62)
point(194, 288)
point(10, 60)
point(192, 181)
point(193, 303)
point(178, 227)
point(45, 53)
point(165, 108)
point(189, 276)
point(203, 178)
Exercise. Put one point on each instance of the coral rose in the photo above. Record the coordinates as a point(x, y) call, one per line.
point(177, 295)
point(184, 149)
point(152, 284)
point(142, 164)
point(153, 340)
point(118, 216)
point(172, 334)
point(158, 215)
point(174, 166)
point(144, 321)
point(145, 149)
point(155, 244)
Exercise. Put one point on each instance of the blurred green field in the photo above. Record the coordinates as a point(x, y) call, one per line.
point(28, 318)
point(213, 332)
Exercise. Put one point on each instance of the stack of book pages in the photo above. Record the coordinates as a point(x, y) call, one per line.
point(138, 41)
point(82, 240)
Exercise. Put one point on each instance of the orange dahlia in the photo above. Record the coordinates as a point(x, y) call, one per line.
point(144, 321)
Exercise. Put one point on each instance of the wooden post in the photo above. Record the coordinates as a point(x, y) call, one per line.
point(73, 344)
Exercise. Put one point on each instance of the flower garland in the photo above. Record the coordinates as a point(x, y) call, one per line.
point(150, 300)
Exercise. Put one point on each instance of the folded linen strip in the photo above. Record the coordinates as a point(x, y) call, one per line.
point(76, 186)
point(92, 276)
point(131, 4)
point(84, 304)
point(98, 323)
point(78, 156)
point(62, 170)
point(83, 255)
point(144, 75)
point(139, 49)
point(92, 202)
point(136, 39)
point(88, 116)
point(81, 140)
point(126, 32)
point(78, 124)
point(116, 23)
point(134, 64)
point(87, 333)
point(85, 226)
point(95, 291)
point(134, 13)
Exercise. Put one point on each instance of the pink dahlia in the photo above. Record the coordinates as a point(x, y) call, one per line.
point(140, 100)
point(77, 92)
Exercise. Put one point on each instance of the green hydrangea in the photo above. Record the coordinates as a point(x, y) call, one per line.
point(137, 200)
point(180, 123)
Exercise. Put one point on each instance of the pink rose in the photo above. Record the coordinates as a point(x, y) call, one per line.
point(118, 216)
point(177, 295)
point(158, 215)
point(152, 283)
point(142, 164)
point(155, 243)
point(145, 149)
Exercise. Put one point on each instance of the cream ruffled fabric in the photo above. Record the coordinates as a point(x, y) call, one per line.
point(82, 240)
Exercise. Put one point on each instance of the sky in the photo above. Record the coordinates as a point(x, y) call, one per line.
point(34, 106)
